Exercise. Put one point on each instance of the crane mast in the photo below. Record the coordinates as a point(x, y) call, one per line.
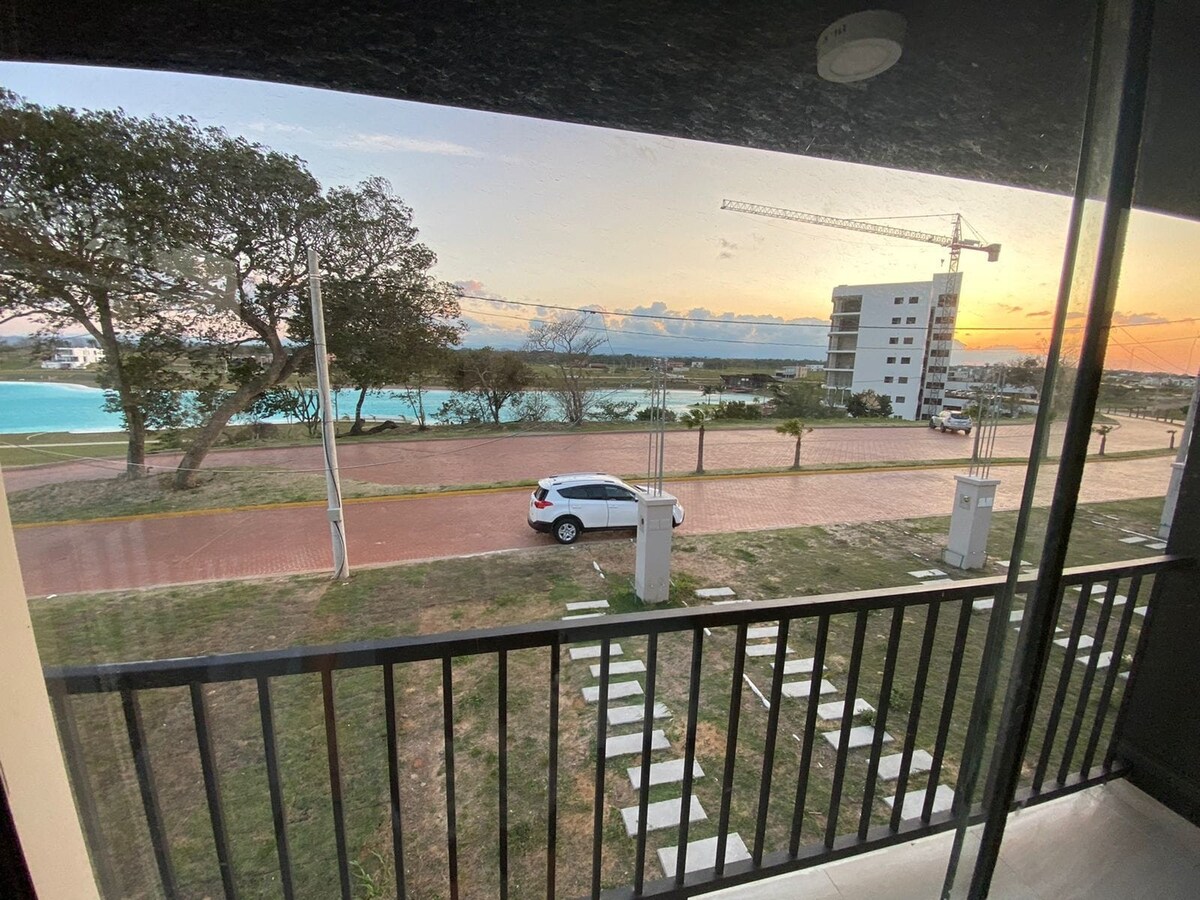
point(943, 313)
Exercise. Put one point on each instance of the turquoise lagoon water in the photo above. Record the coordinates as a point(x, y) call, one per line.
point(31, 407)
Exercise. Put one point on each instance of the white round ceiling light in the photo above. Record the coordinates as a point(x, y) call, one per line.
point(860, 45)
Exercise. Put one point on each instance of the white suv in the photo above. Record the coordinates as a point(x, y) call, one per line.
point(568, 505)
point(951, 420)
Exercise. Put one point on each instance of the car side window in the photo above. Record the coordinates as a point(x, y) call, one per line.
point(572, 493)
point(616, 493)
point(595, 492)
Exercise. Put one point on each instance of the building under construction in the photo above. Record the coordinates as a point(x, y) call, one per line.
point(894, 339)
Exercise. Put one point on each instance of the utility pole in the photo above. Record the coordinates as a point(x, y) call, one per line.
point(333, 487)
point(1168, 513)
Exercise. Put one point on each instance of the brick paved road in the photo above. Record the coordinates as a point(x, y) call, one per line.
point(71, 558)
point(507, 459)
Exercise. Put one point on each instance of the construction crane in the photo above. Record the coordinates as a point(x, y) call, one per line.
point(944, 310)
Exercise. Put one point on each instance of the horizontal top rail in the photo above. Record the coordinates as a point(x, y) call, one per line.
point(179, 672)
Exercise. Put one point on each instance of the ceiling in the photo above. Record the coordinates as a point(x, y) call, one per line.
point(992, 91)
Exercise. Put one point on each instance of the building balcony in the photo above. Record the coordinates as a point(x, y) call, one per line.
point(267, 771)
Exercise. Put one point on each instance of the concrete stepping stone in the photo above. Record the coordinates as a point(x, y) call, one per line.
point(914, 803)
point(1096, 588)
point(702, 854)
point(1124, 676)
point(663, 814)
point(628, 667)
point(1160, 545)
point(833, 710)
point(798, 666)
point(1118, 600)
point(1016, 615)
point(927, 573)
point(625, 744)
point(765, 650)
point(627, 715)
point(1103, 661)
point(727, 602)
point(983, 603)
point(669, 772)
point(800, 689)
point(766, 631)
point(1135, 539)
point(1140, 610)
point(1085, 641)
point(860, 736)
point(594, 652)
point(582, 616)
point(889, 766)
point(713, 593)
point(1005, 563)
point(587, 604)
point(615, 691)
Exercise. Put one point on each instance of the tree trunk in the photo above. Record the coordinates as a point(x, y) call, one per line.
point(357, 427)
point(1103, 438)
point(206, 438)
point(420, 409)
point(700, 453)
point(135, 456)
point(135, 422)
point(796, 459)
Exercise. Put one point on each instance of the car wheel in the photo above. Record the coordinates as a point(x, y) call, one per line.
point(567, 530)
point(943, 429)
point(967, 432)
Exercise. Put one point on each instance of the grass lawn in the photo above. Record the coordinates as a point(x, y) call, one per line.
point(484, 591)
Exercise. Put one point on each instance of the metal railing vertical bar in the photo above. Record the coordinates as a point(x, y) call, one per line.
point(1064, 682)
point(948, 699)
point(601, 762)
point(502, 769)
point(389, 710)
point(451, 805)
point(85, 800)
point(689, 752)
point(843, 747)
point(732, 726)
point(335, 782)
point(881, 715)
point(920, 682)
point(1089, 677)
point(639, 867)
point(275, 787)
point(149, 792)
point(212, 790)
point(768, 766)
point(552, 776)
point(1138, 653)
point(1110, 679)
point(810, 733)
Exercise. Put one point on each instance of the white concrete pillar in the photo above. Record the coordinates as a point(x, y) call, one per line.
point(652, 576)
point(970, 521)
point(32, 770)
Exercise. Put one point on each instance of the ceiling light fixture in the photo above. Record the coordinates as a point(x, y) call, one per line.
point(860, 45)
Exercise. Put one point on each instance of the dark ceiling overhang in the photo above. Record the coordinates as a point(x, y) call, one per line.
point(984, 90)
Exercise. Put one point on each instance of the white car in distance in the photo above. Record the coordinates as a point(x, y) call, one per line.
point(568, 505)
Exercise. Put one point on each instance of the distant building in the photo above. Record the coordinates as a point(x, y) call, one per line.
point(787, 373)
point(697, 364)
point(73, 358)
point(894, 339)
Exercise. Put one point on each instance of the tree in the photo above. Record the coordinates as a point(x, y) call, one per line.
point(1103, 431)
point(869, 405)
point(295, 402)
point(568, 344)
point(612, 410)
point(389, 328)
point(800, 399)
point(486, 379)
point(695, 418)
point(98, 215)
point(797, 429)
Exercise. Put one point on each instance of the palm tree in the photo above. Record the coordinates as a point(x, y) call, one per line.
point(695, 418)
point(797, 429)
point(1103, 431)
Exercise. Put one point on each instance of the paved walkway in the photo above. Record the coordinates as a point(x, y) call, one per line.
point(527, 457)
point(156, 551)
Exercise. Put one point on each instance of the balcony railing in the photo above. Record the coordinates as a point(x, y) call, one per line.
point(784, 791)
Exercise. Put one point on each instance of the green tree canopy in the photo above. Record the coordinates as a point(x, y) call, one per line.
point(487, 379)
point(869, 405)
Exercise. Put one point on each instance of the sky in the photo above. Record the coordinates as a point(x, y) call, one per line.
point(552, 214)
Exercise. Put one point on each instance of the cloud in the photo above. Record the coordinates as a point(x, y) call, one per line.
point(277, 128)
point(1009, 308)
point(1038, 313)
point(393, 143)
point(1120, 318)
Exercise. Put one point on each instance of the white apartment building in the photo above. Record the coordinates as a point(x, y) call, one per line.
point(73, 358)
point(894, 339)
